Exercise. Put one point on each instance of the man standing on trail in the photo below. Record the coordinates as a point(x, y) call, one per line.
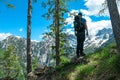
point(80, 26)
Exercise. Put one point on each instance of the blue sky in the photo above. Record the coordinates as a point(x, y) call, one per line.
point(14, 21)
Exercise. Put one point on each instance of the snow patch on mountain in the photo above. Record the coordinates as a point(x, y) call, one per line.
point(4, 36)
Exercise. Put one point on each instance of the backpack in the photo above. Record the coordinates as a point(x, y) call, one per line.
point(78, 24)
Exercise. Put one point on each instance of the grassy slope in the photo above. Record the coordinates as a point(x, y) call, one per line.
point(102, 65)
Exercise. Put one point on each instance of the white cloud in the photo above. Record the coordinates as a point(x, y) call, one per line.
point(4, 35)
point(73, 12)
point(94, 27)
point(41, 36)
point(20, 29)
point(94, 6)
point(70, 31)
point(69, 20)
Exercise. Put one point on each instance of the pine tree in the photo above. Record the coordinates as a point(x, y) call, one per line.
point(29, 35)
point(57, 32)
point(56, 11)
point(29, 16)
point(9, 64)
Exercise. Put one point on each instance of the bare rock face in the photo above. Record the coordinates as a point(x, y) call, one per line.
point(42, 73)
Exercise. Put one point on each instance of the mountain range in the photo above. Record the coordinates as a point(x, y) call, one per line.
point(42, 50)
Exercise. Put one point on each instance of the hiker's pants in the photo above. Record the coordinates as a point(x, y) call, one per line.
point(80, 43)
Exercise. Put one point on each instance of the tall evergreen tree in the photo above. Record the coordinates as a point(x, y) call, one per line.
point(115, 20)
point(57, 32)
point(29, 15)
point(56, 11)
point(9, 64)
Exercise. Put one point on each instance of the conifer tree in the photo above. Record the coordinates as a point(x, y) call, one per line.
point(9, 64)
point(29, 16)
point(56, 11)
point(115, 20)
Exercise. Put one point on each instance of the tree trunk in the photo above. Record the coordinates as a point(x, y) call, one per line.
point(29, 35)
point(57, 31)
point(115, 20)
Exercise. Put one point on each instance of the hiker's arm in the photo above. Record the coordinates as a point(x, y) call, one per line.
point(75, 33)
point(86, 28)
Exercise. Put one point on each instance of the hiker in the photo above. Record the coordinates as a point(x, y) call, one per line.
point(80, 26)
